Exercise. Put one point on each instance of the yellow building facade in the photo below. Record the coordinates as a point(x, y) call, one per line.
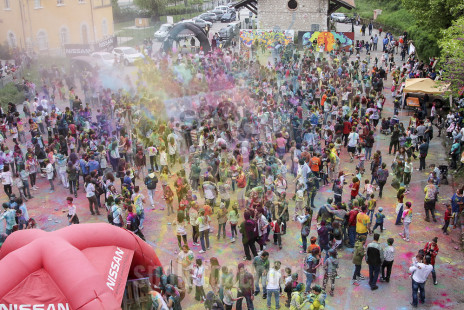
point(45, 26)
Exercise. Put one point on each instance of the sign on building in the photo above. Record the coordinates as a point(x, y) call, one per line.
point(105, 45)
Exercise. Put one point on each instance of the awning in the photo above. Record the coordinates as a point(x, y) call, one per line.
point(424, 86)
point(251, 5)
point(334, 5)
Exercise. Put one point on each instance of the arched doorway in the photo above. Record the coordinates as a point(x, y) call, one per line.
point(42, 40)
point(85, 35)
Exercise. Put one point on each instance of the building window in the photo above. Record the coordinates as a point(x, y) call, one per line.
point(11, 40)
point(85, 35)
point(7, 4)
point(37, 4)
point(104, 28)
point(59, 2)
point(42, 40)
point(64, 35)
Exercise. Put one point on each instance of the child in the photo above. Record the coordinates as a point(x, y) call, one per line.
point(233, 220)
point(330, 267)
point(379, 218)
point(199, 280)
point(222, 221)
point(169, 197)
point(291, 281)
point(313, 245)
point(224, 193)
point(407, 219)
point(229, 297)
point(278, 228)
point(368, 190)
point(371, 205)
point(389, 256)
point(299, 200)
point(448, 216)
point(360, 165)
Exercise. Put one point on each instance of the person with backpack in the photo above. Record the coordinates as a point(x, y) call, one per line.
point(330, 268)
point(358, 256)
point(382, 176)
point(151, 182)
point(305, 221)
point(311, 263)
point(298, 300)
point(139, 199)
point(173, 297)
point(133, 222)
point(115, 214)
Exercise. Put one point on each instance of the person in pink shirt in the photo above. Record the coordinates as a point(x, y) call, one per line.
point(281, 143)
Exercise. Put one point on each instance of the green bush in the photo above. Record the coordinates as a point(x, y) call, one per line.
point(10, 93)
point(179, 9)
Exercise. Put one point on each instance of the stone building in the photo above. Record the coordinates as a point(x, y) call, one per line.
point(298, 15)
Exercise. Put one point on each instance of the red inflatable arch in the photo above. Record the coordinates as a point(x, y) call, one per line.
point(81, 266)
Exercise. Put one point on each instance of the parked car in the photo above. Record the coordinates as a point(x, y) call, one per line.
point(163, 32)
point(209, 17)
point(228, 17)
point(202, 23)
point(84, 63)
point(226, 33)
point(218, 13)
point(128, 55)
point(222, 8)
point(338, 17)
point(104, 58)
point(235, 27)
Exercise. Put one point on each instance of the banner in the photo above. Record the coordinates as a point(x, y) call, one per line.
point(105, 45)
point(268, 37)
point(328, 39)
point(73, 50)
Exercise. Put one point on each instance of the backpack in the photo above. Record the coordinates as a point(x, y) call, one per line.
point(151, 182)
point(135, 223)
point(308, 264)
point(110, 216)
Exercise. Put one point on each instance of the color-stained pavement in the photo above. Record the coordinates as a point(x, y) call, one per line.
point(49, 211)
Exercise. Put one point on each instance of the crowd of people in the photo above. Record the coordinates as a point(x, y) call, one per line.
point(252, 160)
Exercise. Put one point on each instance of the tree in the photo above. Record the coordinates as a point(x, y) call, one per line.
point(152, 6)
point(435, 14)
point(452, 51)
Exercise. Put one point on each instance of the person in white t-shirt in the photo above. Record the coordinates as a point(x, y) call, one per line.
point(186, 258)
point(353, 139)
point(274, 282)
point(199, 280)
point(420, 273)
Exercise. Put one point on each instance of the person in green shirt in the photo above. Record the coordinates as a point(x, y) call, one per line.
point(261, 267)
point(9, 216)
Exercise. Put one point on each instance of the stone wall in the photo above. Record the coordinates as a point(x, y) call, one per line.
point(275, 13)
